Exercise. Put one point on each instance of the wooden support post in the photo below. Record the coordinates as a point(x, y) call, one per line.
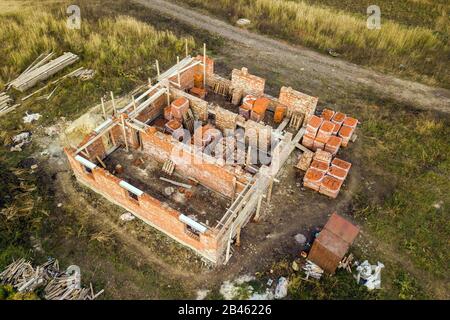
point(124, 132)
point(113, 103)
point(269, 192)
point(258, 209)
point(101, 162)
point(134, 105)
point(168, 95)
point(238, 236)
point(149, 82)
point(204, 65)
point(234, 189)
point(186, 47)
point(178, 71)
point(157, 67)
point(103, 108)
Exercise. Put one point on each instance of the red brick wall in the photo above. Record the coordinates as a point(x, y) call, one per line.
point(147, 208)
point(249, 83)
point(297, 101)
point(208, 173)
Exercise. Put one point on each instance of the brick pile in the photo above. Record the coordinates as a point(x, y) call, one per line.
point(254, 108)
point(329, 132)
point(326, 174)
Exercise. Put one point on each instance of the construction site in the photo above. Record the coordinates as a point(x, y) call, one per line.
point(179, 153)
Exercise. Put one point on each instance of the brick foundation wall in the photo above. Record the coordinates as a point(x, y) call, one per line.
point(210, 173)
point(248, 83)
point(147, 208)
point(297, 101)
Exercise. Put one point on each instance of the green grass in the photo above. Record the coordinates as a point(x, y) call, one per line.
point(408, 49)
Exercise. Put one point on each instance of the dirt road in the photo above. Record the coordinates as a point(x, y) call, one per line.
point(314, 72)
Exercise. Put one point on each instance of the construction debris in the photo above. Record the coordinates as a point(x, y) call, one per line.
point(20, 140)
point(312, 270)
point(83, 74)
point(281, 288)
point(369, 275)
point(127, 216)
point(179, 184)
point(57, 285)
point(28, 118)
point(300, 238)
point(39, 72)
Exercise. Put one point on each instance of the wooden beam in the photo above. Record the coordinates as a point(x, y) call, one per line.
point(103, 108)
point(186, 46)
point(178, 71)
point(101, 162)
point(124, 131)
point(113, 102)
point(157, 68)
point(204, 65)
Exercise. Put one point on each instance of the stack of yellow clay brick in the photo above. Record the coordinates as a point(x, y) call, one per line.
point(325, 174)
point(329, 132)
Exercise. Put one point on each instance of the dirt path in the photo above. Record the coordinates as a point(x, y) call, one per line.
point(314, 71)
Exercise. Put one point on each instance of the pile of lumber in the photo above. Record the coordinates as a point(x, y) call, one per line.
point(41, 70)
point(84, 74)
point(58, 285)
point(5, 104)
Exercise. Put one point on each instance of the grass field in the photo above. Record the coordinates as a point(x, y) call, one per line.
point(412, 41)
point(404, 158)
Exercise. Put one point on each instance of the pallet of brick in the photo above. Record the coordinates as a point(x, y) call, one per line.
point(173, 125)
point(320, 166)
point(325, 130)
point(344, 165)
point(198, 92)
point(313, 179)
point(168, 113)
point(258, 112)
point(327, 114)
point(179, 107)
point(319, 143)
point(330, 186)
point(333, 144)
point(323, 156)
point(305, 160)
point(31, 78)
point(346, 134)
point(308, 140)
point(313, 125)
point(279, 114)
point(198, 80)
